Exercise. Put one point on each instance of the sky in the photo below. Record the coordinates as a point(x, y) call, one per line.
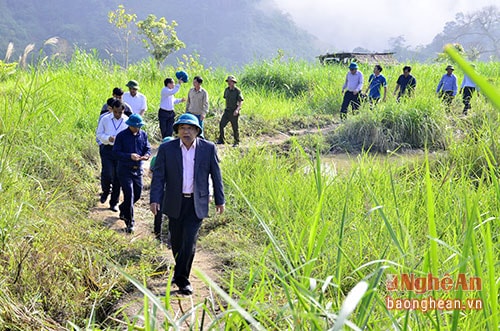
point(346, 24)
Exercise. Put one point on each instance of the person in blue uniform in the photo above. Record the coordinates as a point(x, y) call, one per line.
point(131, 148)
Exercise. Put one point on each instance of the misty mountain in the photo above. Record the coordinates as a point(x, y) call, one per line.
point(223, 32)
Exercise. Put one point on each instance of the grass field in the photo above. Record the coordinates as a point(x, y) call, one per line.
point(297, 237)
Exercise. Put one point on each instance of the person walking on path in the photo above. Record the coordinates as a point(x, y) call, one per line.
point(447, 87)
point(135, 99)
point(131, 148)
point(166, 114)
point(108, 128)
point(158, 218)
point(406, 84)
point(467, 90)
point(197, 101)
point(376, 82)
point(353, 85)
point(117, 94)
point(180, 185)
point(234, 101)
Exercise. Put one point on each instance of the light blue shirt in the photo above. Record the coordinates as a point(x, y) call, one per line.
point(448, 83)
point(353, 82)
point(467, 82)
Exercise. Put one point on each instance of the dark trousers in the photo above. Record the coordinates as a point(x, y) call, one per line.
point(227, 117)
point(350, 99)
point(157, 224)
point(109, 178)
point(166, 120)
point(184, 233)
point(373, 101)
point(447, 97)
point(131, 182)
point(467, 93)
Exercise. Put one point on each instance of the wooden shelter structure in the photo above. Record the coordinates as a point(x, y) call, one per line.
point(366, 58)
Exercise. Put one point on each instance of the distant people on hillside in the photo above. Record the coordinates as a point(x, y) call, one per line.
point(376, 82)
point(467, 90)
point(117, 94)
point(166, 114)
point(197, 101)
point(448, 87)
point(131, 148)
point(406, 84)
point(135, 99)
point(108, 128)
point(234, 101)
point(352, 87)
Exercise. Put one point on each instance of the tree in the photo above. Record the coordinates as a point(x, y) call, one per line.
point(122, 21)
point(161, 38)
point(478, 32)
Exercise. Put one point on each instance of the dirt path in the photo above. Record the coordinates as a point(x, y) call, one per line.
point(279, 137)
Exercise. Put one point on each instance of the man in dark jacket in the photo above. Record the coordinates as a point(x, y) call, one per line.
point(181, 181)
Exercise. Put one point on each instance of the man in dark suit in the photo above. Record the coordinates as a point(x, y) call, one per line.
point(181, 182)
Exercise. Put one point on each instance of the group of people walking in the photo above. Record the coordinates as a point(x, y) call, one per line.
point(181, 171)
point(406, 84)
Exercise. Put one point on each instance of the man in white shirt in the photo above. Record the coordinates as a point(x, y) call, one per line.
point(109, 126)
point(136, 100)
point(353, 85)
point(166, 112)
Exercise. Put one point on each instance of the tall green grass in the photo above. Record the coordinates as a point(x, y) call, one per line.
point(296, 238)
point(362, 224)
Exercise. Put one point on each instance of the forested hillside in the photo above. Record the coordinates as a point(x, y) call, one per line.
point(223, 32)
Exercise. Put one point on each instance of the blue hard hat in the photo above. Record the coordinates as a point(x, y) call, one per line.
point(135, 120)
point(181, 74)
point(167, 139)
point(189, 119)
point(353, 65)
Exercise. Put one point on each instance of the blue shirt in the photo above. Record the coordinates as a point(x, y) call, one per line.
point(127, 143)
point(376, 82)
point(405, 82)
point(467, 82)
point(448, 83)
point(353, 82)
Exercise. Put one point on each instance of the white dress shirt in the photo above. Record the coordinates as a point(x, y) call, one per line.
point(188, 167)
point(137, 103)
point(167, 100)
point(110, 126)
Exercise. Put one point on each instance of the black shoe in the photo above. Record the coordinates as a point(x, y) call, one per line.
point(103, 198)
point(113, 208)
point(236, 145)
point(186, 290)
point(219, 142)
point(129, 229)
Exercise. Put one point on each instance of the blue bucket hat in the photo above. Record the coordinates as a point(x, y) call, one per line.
point(353, 65)
point(189, 119)
point(135, 120)
point(181, 74)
